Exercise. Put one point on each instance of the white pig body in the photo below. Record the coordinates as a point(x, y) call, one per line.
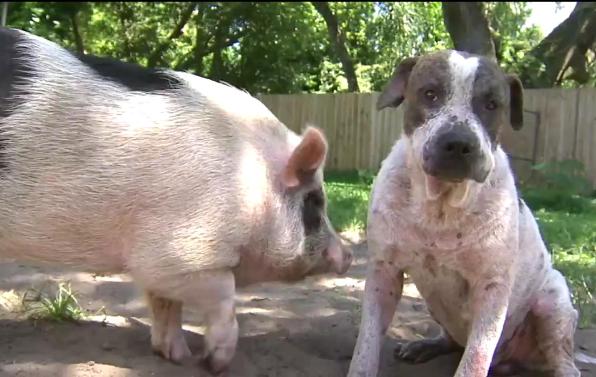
point(173, 185)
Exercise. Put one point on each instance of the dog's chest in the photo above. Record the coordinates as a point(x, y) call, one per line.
point(445, 290)
point(436, 261)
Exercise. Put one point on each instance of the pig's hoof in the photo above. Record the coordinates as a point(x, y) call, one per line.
point(421, 351)
point(176, 351)
point(216, 364)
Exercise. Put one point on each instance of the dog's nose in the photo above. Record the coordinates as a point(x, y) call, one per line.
point(453, 155)
point(456, 144)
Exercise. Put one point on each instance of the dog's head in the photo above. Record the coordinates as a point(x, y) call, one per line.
point(456, 105)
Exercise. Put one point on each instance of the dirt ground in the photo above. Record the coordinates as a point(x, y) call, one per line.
point(306, 329)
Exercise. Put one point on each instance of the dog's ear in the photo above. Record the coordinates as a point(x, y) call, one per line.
point(393, 93)
point(516, 102)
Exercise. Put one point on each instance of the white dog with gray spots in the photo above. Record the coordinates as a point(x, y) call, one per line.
point(445, 210)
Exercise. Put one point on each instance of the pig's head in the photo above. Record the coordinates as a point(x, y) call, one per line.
point(302, 183)
point(456, 105)
point(297, 239)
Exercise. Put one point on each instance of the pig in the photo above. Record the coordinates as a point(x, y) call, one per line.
point(190, 186)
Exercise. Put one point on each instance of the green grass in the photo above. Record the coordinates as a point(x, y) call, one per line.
point(571, 237)
point(348, 197)
point(568, 224)
point(63, 306)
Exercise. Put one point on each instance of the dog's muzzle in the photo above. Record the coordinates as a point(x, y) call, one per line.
point(455, 155)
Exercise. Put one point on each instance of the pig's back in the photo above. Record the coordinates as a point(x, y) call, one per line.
point(96, 163)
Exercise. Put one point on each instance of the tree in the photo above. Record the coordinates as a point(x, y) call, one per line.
point(4, 13)
point(564, 51)
point(338, 40)
point(293, 47)
point(155, 56)
point(512, 38)
point(468, 27)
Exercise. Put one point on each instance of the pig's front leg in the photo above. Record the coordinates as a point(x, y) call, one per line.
point(489, 310)
point(167, 338)
point(221, 336)
point(382, 291)
point(210, 291)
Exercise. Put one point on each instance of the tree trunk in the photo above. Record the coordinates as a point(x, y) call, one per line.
point(4, 13)
point(339, 43)
point(77, 34)
point(201, 42)
point(564, 50)
point(123, 15)
point(222, 38)
point(217, 70)
point(468, 27)
point(155, 56)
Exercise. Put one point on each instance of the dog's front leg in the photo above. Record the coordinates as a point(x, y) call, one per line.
point(382, 291)
point(489, 308)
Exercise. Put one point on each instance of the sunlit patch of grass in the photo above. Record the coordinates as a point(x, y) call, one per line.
point(571, 238)
point(62, 307)
point(348, 205)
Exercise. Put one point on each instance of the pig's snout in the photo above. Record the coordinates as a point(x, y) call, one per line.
point(339, 257)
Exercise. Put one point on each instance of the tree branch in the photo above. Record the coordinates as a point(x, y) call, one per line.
point(564, 50)
point(156, 54)
point(339, 43)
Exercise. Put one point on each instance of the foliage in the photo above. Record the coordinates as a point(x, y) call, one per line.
point(513, 40)
point(559, 185)
point(569, 232)
point(62, 307)
point(348, 197)
point(271, 47)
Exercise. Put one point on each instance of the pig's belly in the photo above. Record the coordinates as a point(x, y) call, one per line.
point(99, 256)
point(447, 296)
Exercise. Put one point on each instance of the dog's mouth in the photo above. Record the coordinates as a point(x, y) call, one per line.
point(457, 192)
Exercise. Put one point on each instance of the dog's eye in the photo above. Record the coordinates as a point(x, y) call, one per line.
point(491, 105)
point(431, 95)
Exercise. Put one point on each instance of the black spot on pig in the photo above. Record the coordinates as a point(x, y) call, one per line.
point(132, 76)
point(12, 71)
point(312, 211)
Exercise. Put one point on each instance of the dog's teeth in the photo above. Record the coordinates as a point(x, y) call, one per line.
point(459, 194)
point(433, 188)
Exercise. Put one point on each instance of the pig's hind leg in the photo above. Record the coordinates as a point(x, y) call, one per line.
point(167, 338)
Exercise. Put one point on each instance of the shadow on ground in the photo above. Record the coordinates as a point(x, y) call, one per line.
point(306, 329)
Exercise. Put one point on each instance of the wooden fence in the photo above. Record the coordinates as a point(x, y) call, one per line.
point(559, 124)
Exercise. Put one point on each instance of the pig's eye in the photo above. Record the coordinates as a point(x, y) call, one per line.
point(313, 206)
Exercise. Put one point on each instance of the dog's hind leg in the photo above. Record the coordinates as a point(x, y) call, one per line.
point(420, 351)
point(556, 320)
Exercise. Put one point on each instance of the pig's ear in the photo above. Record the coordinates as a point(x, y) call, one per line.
point(306, 159)
point(394, 91)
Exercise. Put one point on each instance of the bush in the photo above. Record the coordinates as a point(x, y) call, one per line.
point(560, 186)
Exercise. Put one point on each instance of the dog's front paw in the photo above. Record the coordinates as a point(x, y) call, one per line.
point(421, 351)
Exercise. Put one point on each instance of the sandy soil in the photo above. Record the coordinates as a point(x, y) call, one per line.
point(306, 329)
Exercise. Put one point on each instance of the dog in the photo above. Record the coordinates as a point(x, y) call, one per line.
point(445, 209)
